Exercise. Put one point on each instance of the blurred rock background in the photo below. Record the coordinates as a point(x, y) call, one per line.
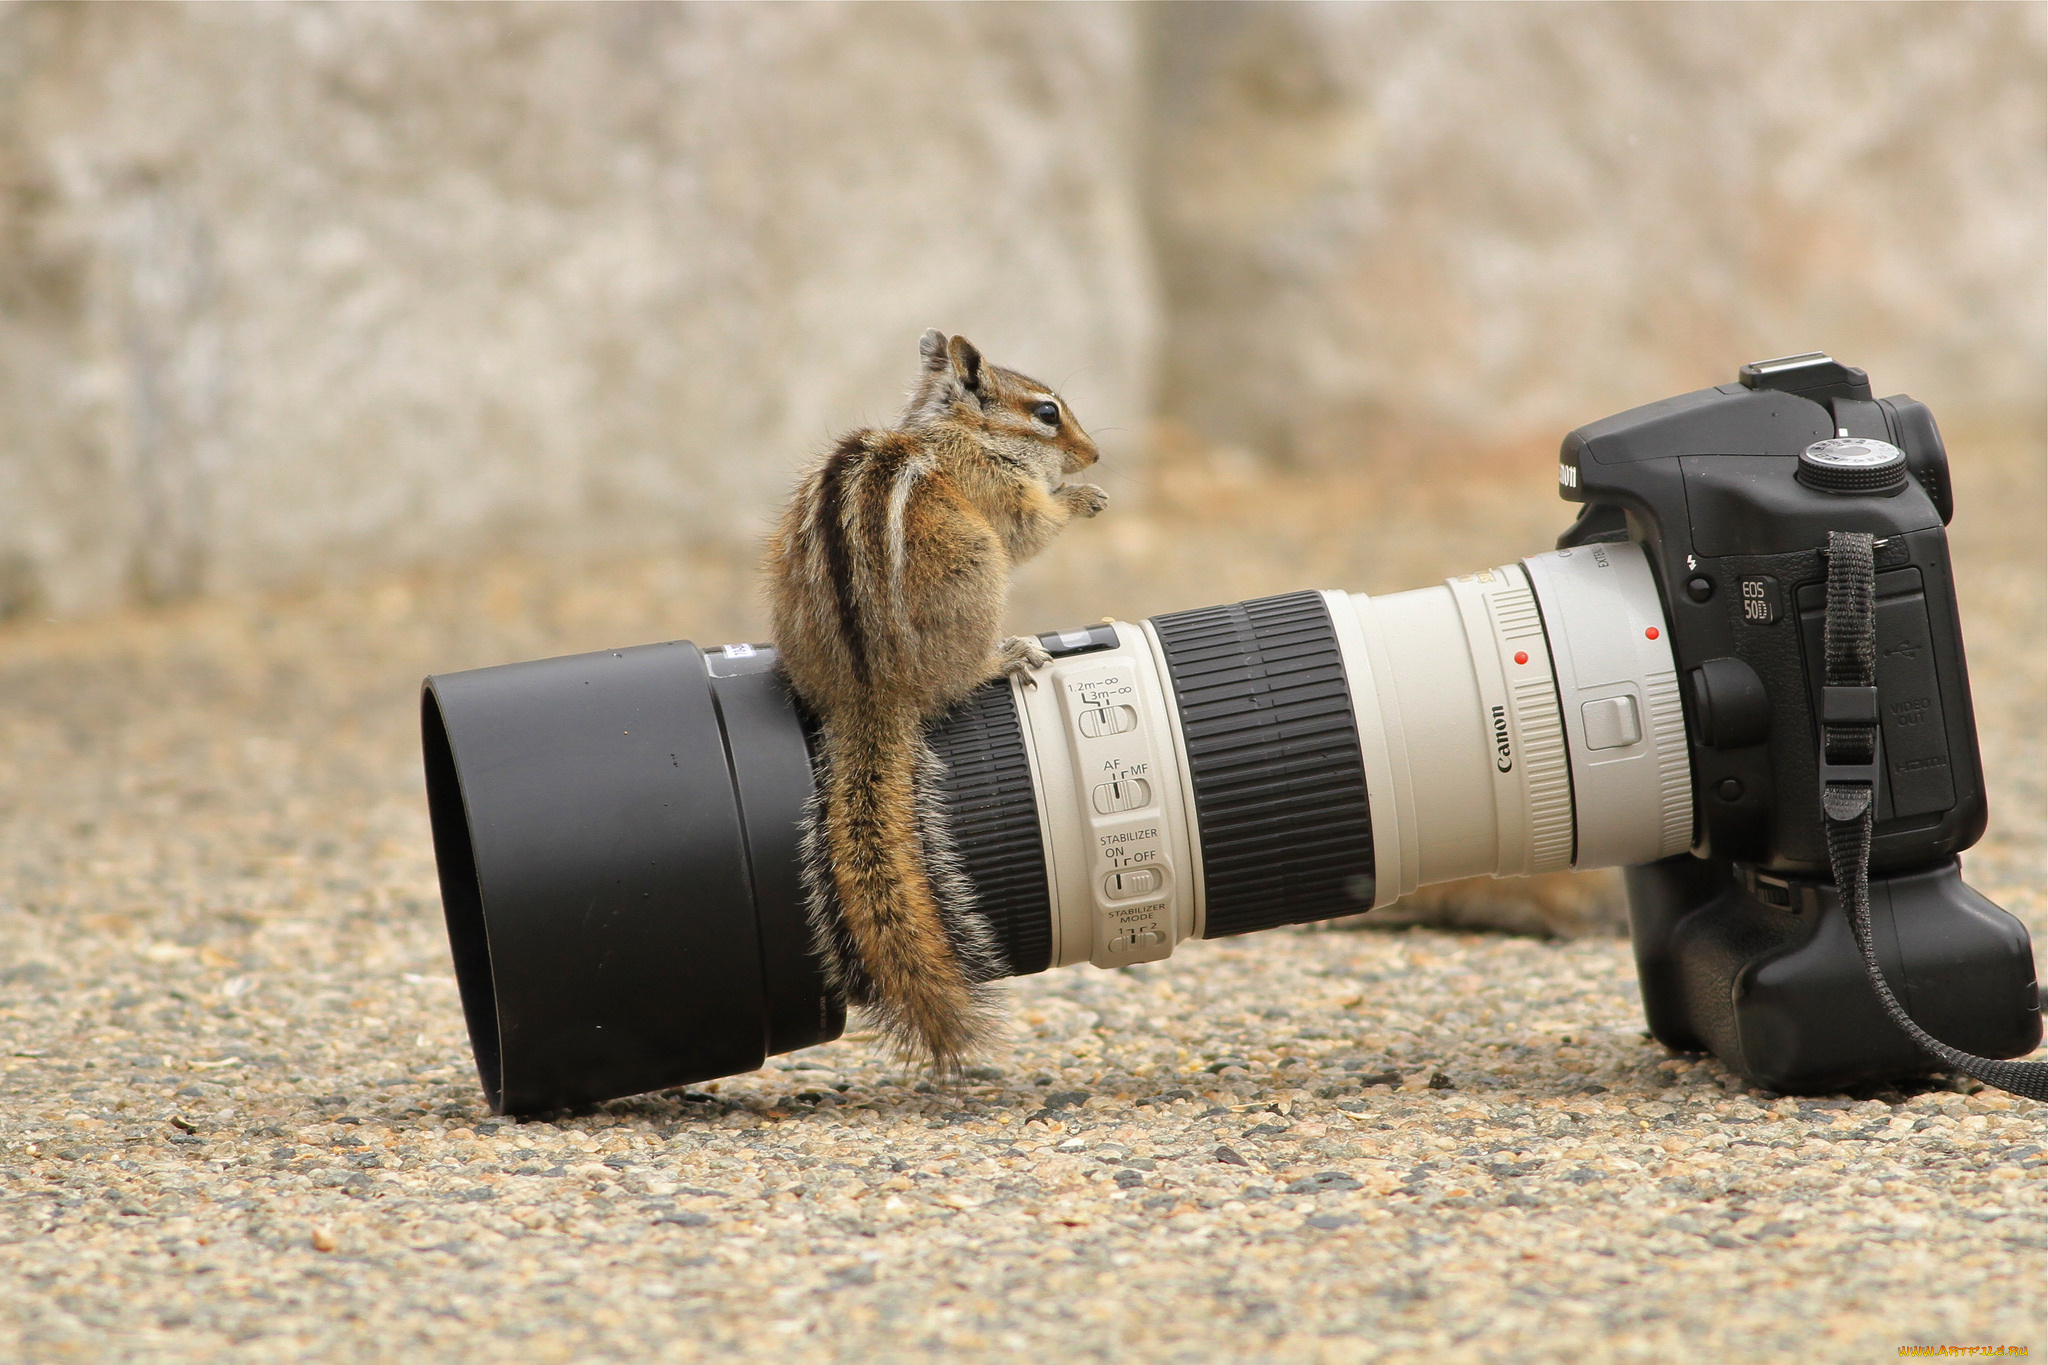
point(291, 294)
point(298, 290)
point(1380, 225)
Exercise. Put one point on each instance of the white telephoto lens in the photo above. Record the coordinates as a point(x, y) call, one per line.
point(1295, 758)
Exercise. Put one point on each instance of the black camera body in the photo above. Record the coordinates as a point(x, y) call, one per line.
point(1741, 947)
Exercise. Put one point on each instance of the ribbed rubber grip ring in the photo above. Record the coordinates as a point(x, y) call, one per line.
point(994, 809)
point(1273, 756)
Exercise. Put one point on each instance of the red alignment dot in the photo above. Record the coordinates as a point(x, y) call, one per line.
point(1521, 656)
point(1650, 634)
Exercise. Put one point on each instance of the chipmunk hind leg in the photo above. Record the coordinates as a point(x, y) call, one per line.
point(907, 943)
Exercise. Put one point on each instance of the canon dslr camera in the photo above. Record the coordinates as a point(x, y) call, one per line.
point(617, 832)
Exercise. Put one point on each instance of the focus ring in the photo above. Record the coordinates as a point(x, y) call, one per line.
point(1274, 762)
point(988, 794)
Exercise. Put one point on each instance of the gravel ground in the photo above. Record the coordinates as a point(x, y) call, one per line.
point(240, 1120)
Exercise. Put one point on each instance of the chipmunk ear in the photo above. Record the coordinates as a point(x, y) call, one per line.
point(966, 363)
point(952, 371)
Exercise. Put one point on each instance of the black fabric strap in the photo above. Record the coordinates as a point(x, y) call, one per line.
point(1849, 777)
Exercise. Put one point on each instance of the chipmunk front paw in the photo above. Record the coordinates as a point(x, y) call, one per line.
point(1085, 498)
point(1020, 654)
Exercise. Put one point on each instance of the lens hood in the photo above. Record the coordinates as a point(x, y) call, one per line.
point(616, 836)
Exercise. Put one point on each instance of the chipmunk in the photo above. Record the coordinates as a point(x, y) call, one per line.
point(887, 579)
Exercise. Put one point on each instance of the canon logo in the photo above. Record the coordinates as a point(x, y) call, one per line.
point(1504, 759)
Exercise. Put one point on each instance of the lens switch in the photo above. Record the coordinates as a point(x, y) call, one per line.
point(1612, 723)
point(1137, 881)
point(1108, 720)
point(1131, 793)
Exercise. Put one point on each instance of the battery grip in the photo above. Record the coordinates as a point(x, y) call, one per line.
point(1764, 972)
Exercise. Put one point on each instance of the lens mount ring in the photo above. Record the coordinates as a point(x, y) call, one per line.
point(1617, 685)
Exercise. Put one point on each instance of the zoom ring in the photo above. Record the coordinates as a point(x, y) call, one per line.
point(988, 794)
point(1273, 757)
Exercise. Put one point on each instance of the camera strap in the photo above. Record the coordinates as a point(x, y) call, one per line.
point(1849, 775)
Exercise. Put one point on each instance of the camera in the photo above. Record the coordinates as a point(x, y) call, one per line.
point(617, 833)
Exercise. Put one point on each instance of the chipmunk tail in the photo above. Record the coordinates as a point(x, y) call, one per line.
point(892, 915)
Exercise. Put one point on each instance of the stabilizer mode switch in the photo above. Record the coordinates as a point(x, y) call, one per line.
point(1128, 934)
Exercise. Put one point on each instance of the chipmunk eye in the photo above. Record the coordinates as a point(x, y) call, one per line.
point(1048, 413)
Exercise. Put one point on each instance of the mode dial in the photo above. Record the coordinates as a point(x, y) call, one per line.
point(1853, 464)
